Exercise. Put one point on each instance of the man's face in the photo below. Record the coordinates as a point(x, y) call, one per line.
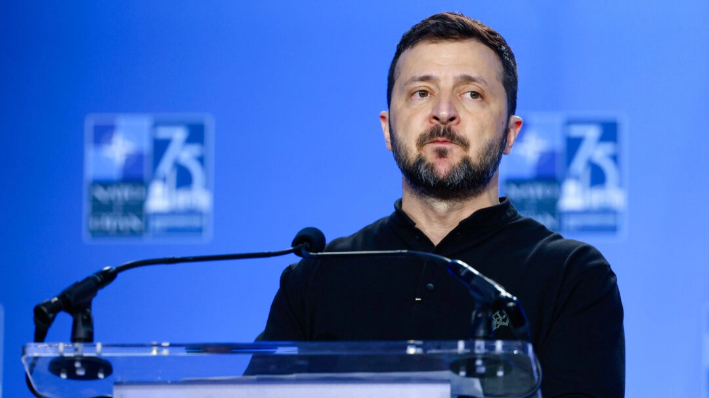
point(448, 124)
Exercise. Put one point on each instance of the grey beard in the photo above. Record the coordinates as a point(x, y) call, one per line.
point(466, 179)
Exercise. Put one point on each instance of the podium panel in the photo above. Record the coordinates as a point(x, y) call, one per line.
point(418, 369)
point(290, 389)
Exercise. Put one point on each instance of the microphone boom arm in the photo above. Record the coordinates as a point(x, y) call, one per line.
point(76, 299)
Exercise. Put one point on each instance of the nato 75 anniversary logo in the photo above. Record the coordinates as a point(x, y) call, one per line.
point(148, 176)
point(567, 171)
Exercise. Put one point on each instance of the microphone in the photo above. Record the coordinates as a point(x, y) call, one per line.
point(310, 239)
point(500, 298)
point(487, 293)
point(76, 299)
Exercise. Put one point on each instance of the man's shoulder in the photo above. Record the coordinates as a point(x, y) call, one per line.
point(545, 244)
point(367, 238)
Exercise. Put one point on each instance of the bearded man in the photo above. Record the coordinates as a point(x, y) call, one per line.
point(452, 92)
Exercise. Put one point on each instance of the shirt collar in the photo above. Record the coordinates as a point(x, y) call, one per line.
point(488, 217)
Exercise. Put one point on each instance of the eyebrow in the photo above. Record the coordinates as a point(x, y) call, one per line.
point(464, 78)
point(420, 78)
point(470, 79)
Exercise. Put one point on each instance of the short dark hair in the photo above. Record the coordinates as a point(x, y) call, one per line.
point(454, 26)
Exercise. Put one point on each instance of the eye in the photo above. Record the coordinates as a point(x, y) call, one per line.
point(421, 94)
point(473, 95)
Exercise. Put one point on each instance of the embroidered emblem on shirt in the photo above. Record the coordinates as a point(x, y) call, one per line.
point(499, 319)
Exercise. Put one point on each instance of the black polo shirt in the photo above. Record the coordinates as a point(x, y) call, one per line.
point(567, 288)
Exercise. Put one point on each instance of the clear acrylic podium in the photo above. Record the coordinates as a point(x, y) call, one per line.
point(474, 368)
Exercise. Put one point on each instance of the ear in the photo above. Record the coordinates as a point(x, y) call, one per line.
point(384, 119)
point(515, 124)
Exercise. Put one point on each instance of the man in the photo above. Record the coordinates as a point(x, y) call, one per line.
point(452, 97)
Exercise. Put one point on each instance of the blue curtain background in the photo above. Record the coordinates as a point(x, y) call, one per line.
point(295, 89)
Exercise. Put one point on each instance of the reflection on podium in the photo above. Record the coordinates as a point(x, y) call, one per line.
point(474, 368)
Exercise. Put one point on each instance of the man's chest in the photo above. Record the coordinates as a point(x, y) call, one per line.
point(398, 299)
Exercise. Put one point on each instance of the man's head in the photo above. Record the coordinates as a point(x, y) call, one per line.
point(450, 115)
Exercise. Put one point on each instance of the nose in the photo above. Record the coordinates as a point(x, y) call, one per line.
point(444, 111)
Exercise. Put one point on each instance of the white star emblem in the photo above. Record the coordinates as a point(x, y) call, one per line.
point(119, 149)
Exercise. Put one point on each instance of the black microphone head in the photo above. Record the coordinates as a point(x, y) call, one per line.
point(311, 236)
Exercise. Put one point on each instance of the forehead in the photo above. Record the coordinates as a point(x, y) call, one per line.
point(448, 59)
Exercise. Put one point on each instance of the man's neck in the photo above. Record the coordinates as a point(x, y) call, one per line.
point(437, 218)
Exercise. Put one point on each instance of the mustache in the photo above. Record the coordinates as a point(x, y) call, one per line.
point(446, 132)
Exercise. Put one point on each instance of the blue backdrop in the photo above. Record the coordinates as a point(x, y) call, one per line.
point(295, 89)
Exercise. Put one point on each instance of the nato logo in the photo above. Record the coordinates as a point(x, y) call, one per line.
point(148, 176)
point(567, 171)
